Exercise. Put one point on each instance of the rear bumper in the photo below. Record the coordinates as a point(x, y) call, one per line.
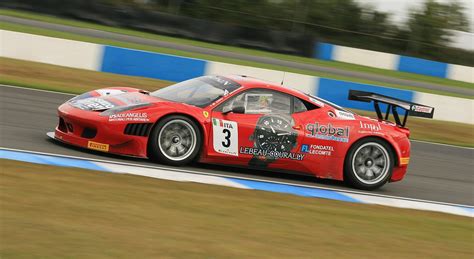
point(398, 173)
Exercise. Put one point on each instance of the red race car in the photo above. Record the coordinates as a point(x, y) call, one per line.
point(243, 121)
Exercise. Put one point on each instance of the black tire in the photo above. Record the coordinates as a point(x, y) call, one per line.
point(373, 159)
point(181, 132)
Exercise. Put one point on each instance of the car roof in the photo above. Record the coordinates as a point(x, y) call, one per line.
point(252, 82)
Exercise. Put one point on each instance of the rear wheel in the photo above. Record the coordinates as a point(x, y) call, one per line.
point(369, 164)
point(175, 140)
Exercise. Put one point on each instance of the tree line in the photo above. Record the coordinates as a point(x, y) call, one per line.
point(426, 32)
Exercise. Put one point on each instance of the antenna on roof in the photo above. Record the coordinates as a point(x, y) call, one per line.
point(283, 80)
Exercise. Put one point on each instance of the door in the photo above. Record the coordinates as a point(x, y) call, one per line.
point(257, 128)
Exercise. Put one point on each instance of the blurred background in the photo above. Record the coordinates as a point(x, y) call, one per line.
point(435, 30)
point(416, 50)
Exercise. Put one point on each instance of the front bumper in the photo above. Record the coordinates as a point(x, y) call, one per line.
point(89, 130)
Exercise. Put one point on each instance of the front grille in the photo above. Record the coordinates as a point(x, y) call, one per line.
point(62, 125)
point(89, 133)
point(138, 129)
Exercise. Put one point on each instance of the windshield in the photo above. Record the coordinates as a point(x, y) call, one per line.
point(199, 92)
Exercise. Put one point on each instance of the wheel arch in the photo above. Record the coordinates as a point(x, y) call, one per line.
point(395, 152)
point(347, 168)
point(200, 125)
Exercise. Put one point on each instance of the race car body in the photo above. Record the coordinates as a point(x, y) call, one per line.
point(243, 121)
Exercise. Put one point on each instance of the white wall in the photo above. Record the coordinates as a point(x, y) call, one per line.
point(89, 56)
point(461, 73)
point(448, 108)
point(365, 57)
point(49, 50)
point(390, 61)
point(301, 82)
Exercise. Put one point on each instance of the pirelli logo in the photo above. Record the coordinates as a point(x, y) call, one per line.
point(404, 160)
point(98, 146)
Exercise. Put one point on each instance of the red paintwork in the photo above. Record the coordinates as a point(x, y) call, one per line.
point(331, 167)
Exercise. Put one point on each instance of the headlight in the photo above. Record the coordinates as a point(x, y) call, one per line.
point(120, 109)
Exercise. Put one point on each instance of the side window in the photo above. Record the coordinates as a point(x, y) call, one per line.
point(260, 101)
point(298, 105)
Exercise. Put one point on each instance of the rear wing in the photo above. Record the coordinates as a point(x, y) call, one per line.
point(413, 109)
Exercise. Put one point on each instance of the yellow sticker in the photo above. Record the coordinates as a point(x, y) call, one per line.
point(404, 160)
point(98, 146)
point(205, 113)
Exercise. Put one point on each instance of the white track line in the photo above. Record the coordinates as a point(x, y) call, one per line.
point(241, 177)
point(439, 144)
point(62, 93)
point(38, 90)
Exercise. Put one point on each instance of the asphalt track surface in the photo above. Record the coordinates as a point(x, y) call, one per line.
point(227, 54)
point(438, 173)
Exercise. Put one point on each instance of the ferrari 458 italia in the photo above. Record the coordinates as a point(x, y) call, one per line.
point(242, 121)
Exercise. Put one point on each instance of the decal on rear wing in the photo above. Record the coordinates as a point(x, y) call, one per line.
point(413, 109)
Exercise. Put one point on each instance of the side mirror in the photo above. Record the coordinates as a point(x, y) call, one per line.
point(237, 109)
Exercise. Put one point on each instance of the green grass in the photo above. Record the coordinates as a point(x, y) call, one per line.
point(68, 80)
point(56, 212)
point(71, 80)
point(340, 65)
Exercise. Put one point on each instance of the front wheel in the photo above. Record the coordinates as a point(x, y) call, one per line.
point(175, 140)
point(369, 164)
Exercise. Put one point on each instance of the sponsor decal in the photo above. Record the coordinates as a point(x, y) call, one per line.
point(93, 104)
point(205, 114)
point(327, 132)
point(98, 146)
point(404, 160)
point(370, 126)
point(345, 115)
point(317, 149)
point(130, 116)
point(272, 154)
point(422, 109)
point(273, 138)
point(225, 137)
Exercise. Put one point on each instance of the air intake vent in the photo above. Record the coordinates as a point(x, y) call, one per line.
point(62, 125)
point(138, 129)
point(69, 127)
point(89, 133)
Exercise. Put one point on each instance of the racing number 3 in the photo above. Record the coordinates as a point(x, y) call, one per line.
point(227, 142)
point(225, 139)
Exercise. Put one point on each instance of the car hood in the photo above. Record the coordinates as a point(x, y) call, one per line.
point(112, 101)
